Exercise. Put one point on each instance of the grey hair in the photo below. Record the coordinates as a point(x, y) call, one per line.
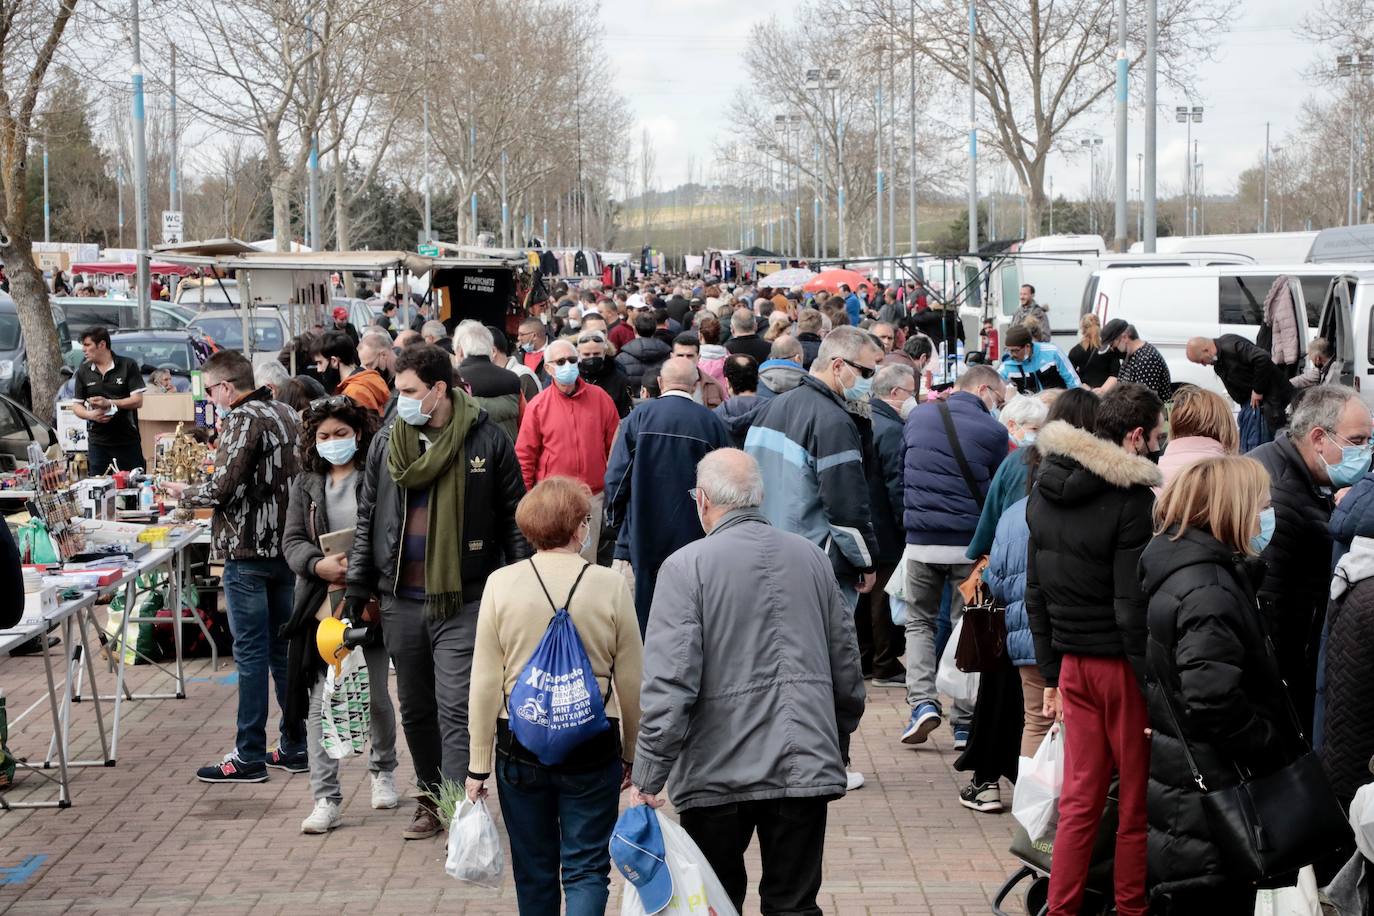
point(560, 343)
point(1025, 411)
point(273, 373)
point(434, 329)
point(730, 478)
point(742, 322)
point(473, 339)
point(844, 342)
point(891, 377)
point(380, 338)
point(1320, 408)
point(786, 347)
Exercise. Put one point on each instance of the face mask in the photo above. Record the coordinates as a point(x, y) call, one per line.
point(591, 366)
point(329, 378)
point(411, 410)
point(907, 407)
point(565, 374)
point(574, 324)
point(1266, 532)
point(1354, 464)
point(1155, 455)
point(338, 451)
point(527, 347)
point(221, 411)
point(586, 541)
point(859, 390)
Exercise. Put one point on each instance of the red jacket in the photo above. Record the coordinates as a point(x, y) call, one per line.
point(621, 334)
point(570, 435)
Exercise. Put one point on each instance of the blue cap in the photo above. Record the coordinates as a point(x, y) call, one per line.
point(637, 850)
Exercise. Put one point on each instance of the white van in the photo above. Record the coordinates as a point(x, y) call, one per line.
point(1168, 305)
point(1347, 320)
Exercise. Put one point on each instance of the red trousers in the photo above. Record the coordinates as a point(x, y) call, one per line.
point(1104, 733)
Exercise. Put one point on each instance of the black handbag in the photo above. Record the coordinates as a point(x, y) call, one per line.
point(982, 643)
point(1267, 826)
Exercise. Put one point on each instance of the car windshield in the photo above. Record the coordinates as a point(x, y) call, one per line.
point(228, 332)
point(156, 353)
point(9, 332)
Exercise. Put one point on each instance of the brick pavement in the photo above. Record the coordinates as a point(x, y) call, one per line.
point(146, 837)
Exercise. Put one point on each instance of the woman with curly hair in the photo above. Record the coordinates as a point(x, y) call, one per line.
point(335, 435)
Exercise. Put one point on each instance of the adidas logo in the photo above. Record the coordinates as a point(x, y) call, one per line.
point(477, 465)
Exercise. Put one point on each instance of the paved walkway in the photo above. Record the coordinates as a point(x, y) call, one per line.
point(146, 837)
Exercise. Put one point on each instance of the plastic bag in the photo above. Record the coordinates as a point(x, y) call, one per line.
point(1299, 900)
point(35, 544)
point(345, 714)
point(474, 846)
point(896, 586)
point(1039, 781)
point(897, 607)
point(696, 889)
point(958, 685)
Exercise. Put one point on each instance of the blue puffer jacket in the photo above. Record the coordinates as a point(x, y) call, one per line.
point(940, 510)
point(1006, 577)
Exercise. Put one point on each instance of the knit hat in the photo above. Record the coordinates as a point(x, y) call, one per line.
point(1018, 335)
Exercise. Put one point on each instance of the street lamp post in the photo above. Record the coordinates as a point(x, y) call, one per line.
point(826, 83)
point(1092, 143)
point(972, 128)
point(1264, 206)
point(1140, 192)
point(1188, 116)
point(1352, 65)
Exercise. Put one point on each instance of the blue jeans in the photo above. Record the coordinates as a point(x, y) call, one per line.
point(579, 809)
point(258, 594)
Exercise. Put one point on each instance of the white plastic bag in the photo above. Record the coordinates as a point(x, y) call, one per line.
point(897, 607)
point(1039, 780)
point(696, 889)
point(896, 586)
point(474, 847)
point(958, 685)
point(1299, 900)
point(345, 712)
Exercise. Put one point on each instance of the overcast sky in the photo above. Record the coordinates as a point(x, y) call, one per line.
point(678, 63)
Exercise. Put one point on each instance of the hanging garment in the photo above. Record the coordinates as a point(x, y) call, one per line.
point(1281, 317)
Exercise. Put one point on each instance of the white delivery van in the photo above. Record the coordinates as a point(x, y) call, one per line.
point(1347, 320)
point(1264, 247)
point(1168, 305)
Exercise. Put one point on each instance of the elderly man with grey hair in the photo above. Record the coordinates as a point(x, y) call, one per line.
point(495, 388)
point(375, 351)
point(272, 374)
point(434, 332)
point(751, 685)
point(744, 336)
point(1325, 449)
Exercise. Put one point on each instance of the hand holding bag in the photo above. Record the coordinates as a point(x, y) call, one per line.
point(982, 643)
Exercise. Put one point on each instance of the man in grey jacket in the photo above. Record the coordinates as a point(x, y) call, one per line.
point(751, 678)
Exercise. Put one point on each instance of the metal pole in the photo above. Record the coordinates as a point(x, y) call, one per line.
point(119, 191)
point(505, 208)
point(1121, 117)
point(878, 166)
point(47, 210)
point(1051, 205)
point(429, 231)
point(1350, 174)
point(474, 217)
point(1140, 192)
point(1151, 117)
point(840, 201)
point(1197, 193)
point(892, 153)
point(911, 138)
point(972, 131)
point(174, 189)
point(141, 278)
point(796, 194)
point(1188, 176)
point(314, 164)
point(1264, 207)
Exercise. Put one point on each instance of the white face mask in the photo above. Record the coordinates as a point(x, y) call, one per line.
point(908, 406)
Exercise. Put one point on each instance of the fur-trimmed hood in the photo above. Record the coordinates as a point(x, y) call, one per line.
point(1078, 466)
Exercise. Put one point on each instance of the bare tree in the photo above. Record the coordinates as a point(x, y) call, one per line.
point(31, 34)
point(648, 160)
point(1042, 66)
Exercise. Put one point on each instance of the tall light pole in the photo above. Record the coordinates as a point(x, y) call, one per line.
point(911, 138)
point(1140, 193)
point(972, 130)
point(1352, 65)
point(47, 211)
point(892, 153)
point(1092, 143)
point(825, 84)
point(1122, 66)
point(429, 230)
point(1149, 214)
point(119, 191)
point(505, 207)
point(1264, 206)
point(141, 278)
point(878, 163)
point(173, 190)
point(314, 162)
point(1051, 205)
point(1189, 116)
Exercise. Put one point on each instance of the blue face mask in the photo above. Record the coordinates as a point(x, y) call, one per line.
point(412, 410)
point(565, 374)
point(1266, 532)
point(1354, 464)
point(221, 411)
point(338, 451)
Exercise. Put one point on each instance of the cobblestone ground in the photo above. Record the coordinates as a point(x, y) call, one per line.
point(146, 837)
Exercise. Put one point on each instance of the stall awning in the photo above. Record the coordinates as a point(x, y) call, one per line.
point(115, 268)
point(343, 261)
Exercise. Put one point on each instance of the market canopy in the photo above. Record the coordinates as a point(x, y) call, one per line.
point(118, 269)
point(343, 261)
point(792, 276)
point(757, 252)
point(830, 280)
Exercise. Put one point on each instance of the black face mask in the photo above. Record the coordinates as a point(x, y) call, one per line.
point(1155, 455)
point(591, 366)
point(329, 378)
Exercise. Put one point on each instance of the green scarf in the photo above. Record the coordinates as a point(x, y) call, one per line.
point(442, 469)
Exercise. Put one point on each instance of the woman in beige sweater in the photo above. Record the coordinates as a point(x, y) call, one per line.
point(559, 818)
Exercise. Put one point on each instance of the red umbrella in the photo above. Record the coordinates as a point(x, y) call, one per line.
point(830, 280)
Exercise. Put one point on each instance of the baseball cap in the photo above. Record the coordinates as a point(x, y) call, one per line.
point(1114, 329)
point(340, 313)
point(637, 850)
point(636, 301)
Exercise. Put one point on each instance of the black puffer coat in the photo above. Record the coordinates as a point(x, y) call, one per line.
point(1348, 734)
point(1207, 651)
point(1294, 594)
point(1089, 518)
point(639, 356)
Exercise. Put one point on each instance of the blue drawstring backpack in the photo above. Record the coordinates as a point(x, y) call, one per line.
point(556, 703)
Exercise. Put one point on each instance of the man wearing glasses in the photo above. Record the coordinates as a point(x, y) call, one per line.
point(254, 463)
point(568, 430)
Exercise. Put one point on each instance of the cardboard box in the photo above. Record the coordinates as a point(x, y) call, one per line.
point(179, 405)
point(71, 429)
point(52, 260)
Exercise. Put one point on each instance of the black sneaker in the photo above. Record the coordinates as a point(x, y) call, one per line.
point(986, 797)
point(232, 769)
point(291, 763)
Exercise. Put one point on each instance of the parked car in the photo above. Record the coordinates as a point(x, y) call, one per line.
point(223, 327)
point(360, 314)
point(14, 364)
point(197, 293)
point(178, 352)
point(19, 427)
point(86, 312)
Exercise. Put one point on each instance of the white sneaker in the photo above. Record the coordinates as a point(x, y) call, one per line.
point(853, 781)
point(384, 790)
point(323, 819)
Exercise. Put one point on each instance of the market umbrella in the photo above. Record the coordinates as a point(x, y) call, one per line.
point(830, 280)
point(792, 276)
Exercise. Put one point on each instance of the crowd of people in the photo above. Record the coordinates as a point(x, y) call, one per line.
point(722, 487)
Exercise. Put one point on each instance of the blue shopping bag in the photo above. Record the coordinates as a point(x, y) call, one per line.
point(1254, 430)
point(556, 703)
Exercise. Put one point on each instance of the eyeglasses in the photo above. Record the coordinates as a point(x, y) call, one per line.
point(1349, 442)
point(564, 361)
point(693, 493)
point(864, 371)
point(332, 402)
point(591, 338)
